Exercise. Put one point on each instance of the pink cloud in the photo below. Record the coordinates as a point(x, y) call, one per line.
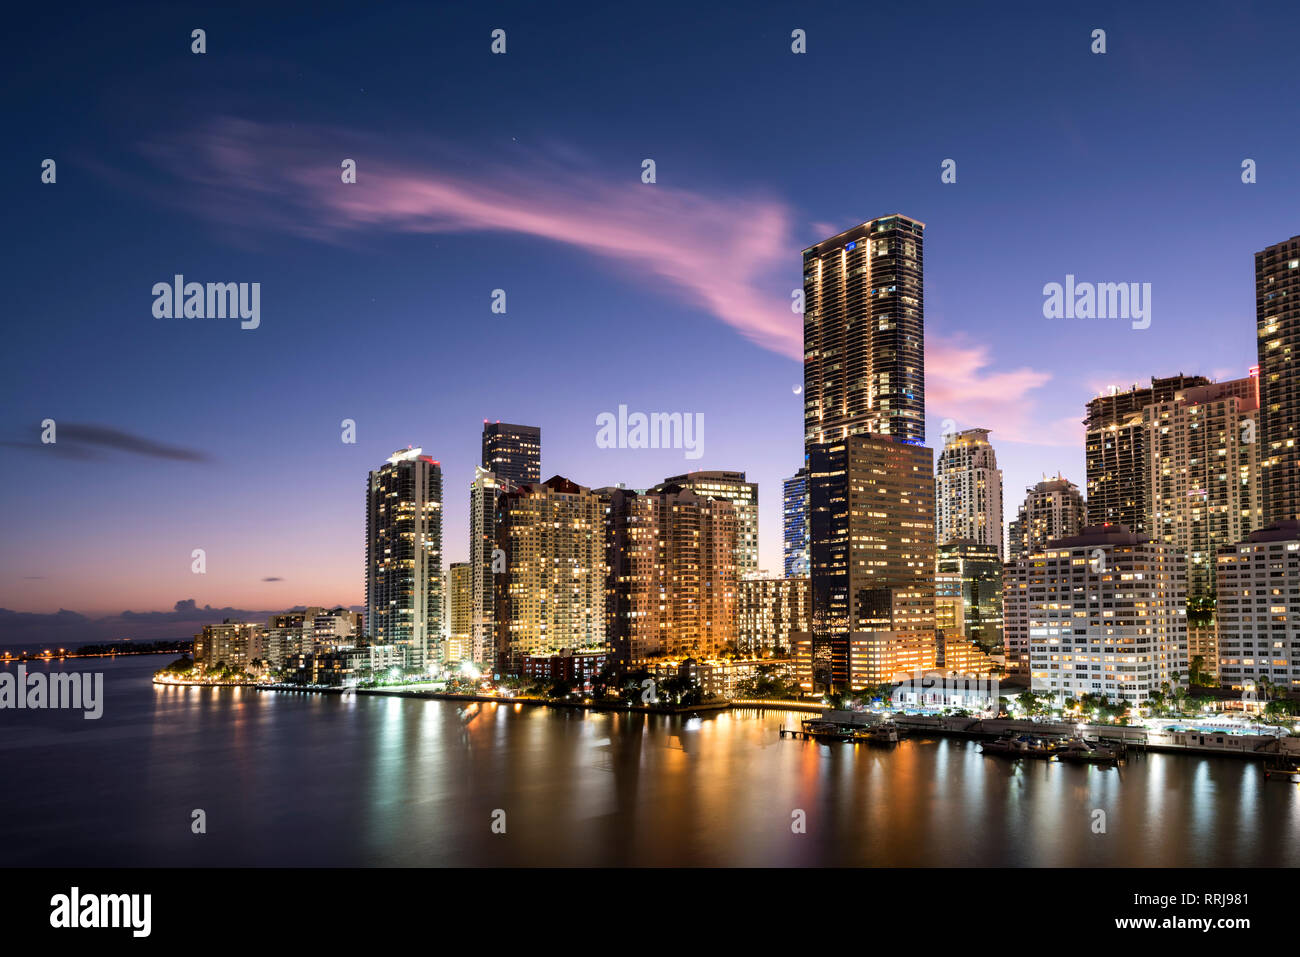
point(959, 387)
point(733, 257)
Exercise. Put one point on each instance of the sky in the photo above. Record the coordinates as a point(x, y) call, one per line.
point(522, 172)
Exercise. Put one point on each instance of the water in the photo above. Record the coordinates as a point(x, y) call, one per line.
point(321, 780)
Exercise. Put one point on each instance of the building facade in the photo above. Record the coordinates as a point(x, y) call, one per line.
point(1099, 613)
point(794, 532)
point(1277, 327)
point(550, 594)
point(460, 586)
point(871, 516)
point(743, 495)
point(484, 493)
point(513, 452)
point(1205, 489)
point(974, 573)
point(864, 333)
point(1118, 462)
point(1258, 610)
point(773, 612)
point(968, 491)
point(1052, 509)
point(672, 585)
point(404, 581)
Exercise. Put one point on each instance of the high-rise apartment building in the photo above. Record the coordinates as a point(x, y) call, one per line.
point(1259, 610)
point(550, 593)
point(1205, 491)
point(968, 491)
point(871, 517)
point(1118, 460)
point(513, 452)
point(460, 587)
point(1277, 327)
point(976, 572)
point(864, 333)
point(1098, 613)
point(672, 581)
point(773, 614)
point(1053, 509)
point(732, 487)
point(232, 644)
point(404, 600)
point(484, 493)
point(794, 539)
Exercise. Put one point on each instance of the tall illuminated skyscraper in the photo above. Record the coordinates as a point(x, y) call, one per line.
point(550, 591)
point(1204, 447)
point(1277, 326)
point(968, 491)
point(871, 511)
point(732, 487)
point(672, 584)
point(484, 493)
point(513, 452)
point(404, 600)
point(460, 587)
point(795, 525)
point(1052, 509)
point(1118, 460)
point(864, 333)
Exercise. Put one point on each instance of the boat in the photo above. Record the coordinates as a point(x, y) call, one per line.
point(1282, 768)
point(1086, 752)
point(826, 731)
point(885, 733)
point(1021, 746)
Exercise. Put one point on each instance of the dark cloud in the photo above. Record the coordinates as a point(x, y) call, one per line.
point(273, 578)
point(82, 441)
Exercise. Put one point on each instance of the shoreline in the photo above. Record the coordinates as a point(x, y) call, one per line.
point(494, 699)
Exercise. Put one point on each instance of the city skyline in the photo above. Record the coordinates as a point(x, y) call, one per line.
point(183, 456)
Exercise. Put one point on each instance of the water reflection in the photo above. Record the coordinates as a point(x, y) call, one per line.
point(313, 779)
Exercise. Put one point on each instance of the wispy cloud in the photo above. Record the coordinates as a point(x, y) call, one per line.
point(732, 256)
point(83, 441)
point(959, 386)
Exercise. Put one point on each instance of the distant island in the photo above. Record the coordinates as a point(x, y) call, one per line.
point(126, 647)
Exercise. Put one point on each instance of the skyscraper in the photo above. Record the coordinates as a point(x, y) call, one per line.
point(484, 492)
point(772, 615)
point(864, 333)
point(1204, 468)
point(1098, 613)
point(968, 491)
point(740, 493)
point(1259, 609)
point(1277, 326)
point(672, 584)
point(550, 593)
point(1053, 509)
point(871, 516)
point(974, 573)
point(404, 601)
point(1118, 462)
point(513, 452)
point(795, 524)
point(460, 586)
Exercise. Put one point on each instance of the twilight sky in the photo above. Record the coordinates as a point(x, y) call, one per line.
point(522, 172)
